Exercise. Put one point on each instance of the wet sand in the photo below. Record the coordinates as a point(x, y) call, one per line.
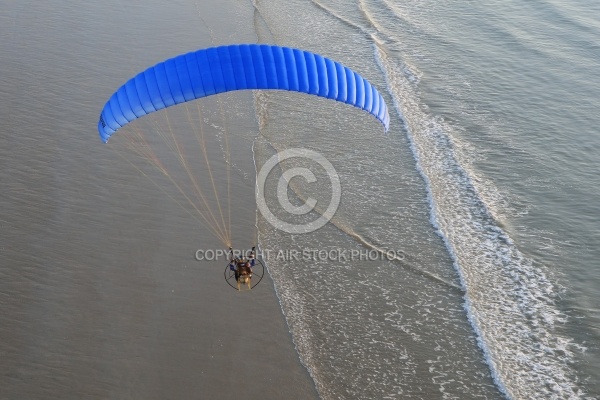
point(100, 295)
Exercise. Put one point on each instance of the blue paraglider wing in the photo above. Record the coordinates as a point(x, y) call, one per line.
point(237, 67)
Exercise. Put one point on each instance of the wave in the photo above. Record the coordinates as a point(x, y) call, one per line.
point(510, 301)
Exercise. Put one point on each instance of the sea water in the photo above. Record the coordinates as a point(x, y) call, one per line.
point(488, 183)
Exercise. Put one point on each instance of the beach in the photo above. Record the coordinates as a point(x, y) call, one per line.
point(101, 294)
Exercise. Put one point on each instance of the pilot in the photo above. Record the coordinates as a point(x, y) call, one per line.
point(252, 257)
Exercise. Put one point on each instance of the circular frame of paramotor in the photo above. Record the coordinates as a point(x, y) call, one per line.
point(258, 271)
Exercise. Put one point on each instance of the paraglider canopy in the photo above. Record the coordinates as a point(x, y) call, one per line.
point(237, 67)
